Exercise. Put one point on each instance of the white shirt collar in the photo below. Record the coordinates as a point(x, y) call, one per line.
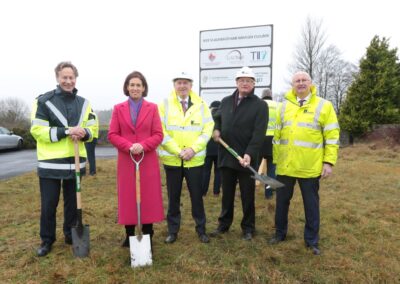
point(305, 99)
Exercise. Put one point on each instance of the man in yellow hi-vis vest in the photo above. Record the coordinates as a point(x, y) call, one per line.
point(59, 118)
point(187, 126)
point(306, 142)
point(266, 150)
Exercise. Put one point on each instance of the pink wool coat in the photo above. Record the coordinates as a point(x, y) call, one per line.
point(148, 132)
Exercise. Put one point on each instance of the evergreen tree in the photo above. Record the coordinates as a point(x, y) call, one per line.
point(374, 96)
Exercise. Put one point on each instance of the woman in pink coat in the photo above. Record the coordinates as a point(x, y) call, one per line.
point(135, 128)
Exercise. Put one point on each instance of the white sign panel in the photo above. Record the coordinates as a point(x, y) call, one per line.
point(237, 37)
point(225, 78)
point(230, 58)
point(210, 95)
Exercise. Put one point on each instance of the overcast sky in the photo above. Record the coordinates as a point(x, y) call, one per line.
point(106, 40)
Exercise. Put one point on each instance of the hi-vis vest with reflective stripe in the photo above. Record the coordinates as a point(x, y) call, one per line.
point(305, 137)
point(56, 157)
point(272, 105)
point(192, 129)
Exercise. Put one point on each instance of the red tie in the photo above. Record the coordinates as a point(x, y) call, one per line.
point(184, 108)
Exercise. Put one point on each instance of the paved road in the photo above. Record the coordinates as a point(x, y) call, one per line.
point(13, 163)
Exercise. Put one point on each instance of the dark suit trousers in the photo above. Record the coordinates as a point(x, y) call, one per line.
point(208, 163)
point(309, 190)
point(247, 189)
point(50, 195)
point(193, 177)
point(91, 155)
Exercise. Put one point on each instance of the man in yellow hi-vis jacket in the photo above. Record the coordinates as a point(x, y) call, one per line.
point(306, 142)
point(187, 126)
point(59, 118)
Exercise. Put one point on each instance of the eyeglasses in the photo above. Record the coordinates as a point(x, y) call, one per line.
point(245, 81)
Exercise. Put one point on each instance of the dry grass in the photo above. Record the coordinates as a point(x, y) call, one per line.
point(359, 234)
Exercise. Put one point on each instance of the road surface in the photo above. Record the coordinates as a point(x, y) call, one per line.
point(14, 163)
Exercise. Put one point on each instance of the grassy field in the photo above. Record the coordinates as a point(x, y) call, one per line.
point(360, 234)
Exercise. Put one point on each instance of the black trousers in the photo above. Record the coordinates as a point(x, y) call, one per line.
point(193, 177)
point(309, 190)
point(91, 155)
point(50, 195)
point(247, 190)
point(208, 164)
point(147, 229)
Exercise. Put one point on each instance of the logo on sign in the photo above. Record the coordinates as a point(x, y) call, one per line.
point(234, 56)
point(211, 56)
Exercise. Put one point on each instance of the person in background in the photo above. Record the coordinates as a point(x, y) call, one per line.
point(241, 122)
point(91, 149)
point(135, 129)
point(187, 126)
point(306, 142)
point(212, 158)
point(266, 150)
point(59, 119)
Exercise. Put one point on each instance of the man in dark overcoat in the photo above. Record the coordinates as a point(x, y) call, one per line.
point(241, 122)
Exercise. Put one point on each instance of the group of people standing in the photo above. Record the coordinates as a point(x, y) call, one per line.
point(177, 132)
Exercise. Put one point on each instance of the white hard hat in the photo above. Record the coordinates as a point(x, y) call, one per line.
point(245, 72)
point(183, 75)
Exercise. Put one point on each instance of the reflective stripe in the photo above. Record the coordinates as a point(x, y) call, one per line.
point(307, 144)
point(201, 153)
point(272, 119)
point(52, 166)
point(83, 111)
point(53, 134)
point(286, 123)
point(207, 120)
point(57, 113)
point(90, 133)
point(332, 142)
point(91, 122)
point(205, 137)
point(283, 142)
point(309, 125)
point(183, 128)
point(166, 110)
point(331, 126)
point(165, 153)
point(40, 122)
point(166, 139)
point(283, 114)
point(318, 110)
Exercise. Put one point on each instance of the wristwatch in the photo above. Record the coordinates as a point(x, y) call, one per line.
point(67, 131)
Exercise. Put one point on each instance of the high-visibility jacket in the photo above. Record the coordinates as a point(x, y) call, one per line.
point(305, 137)
point(183, 130)
point(272, 105)
point(52, 114)
point(95, 129)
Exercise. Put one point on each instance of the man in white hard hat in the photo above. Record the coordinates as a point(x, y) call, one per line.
point(241, 122)
point(187, 125)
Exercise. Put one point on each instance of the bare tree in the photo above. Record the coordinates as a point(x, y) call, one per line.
point(310, 47)
point(14, 113)
point(329, 72)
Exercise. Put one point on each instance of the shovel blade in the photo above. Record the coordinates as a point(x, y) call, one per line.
point(273, 183)
point(81, 241)
point(140, 249)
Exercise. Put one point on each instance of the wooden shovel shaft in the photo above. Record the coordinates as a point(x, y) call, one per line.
point(230, 150)
point(77, 176)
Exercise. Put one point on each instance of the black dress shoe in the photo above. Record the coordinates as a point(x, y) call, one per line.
point(68, 240)
point(247, 236)
point(204, 238)
point(275, 240)
point(44, 249)
point(171, 238)
point(217, 232)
